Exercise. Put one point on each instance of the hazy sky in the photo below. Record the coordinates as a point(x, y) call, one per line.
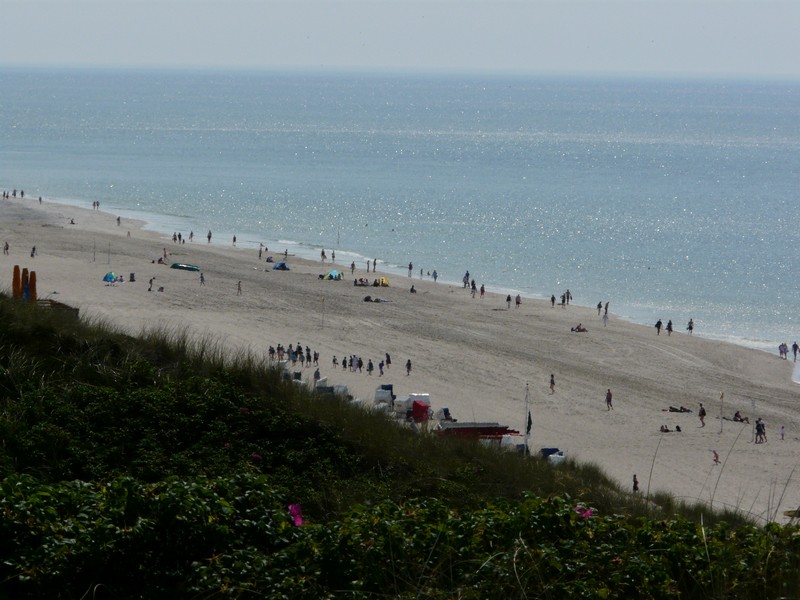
point(746, 38)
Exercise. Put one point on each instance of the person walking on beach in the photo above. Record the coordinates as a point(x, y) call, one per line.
point(518, 300)
point(795, 347)
point(408, 367)
point(553, 301)
point(609, 396)
point(715, 455)
point(635, 484)
point(474, 288)
point(669, 328)
point(209, 236)
point(702, 415)
point(374, 265)
point(599, 308)
point(690, 326)
point(508, 301)
point(659, 325)
point(388, 361)
point(483, 290)
point(552, 383)
point(202, 279)
point(352, 267)
point(605, 319)
point(5, 251)
point(435, 276)
point(239, 288)
point(410, 268)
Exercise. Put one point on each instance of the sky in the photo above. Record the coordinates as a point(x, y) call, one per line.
point(658, 38)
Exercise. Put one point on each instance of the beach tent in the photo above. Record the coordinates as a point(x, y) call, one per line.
point(109, 277)
point(383, 282)
point(281, 266)
point(334, 274)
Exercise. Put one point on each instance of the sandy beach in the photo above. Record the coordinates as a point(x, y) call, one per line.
point(473, 355)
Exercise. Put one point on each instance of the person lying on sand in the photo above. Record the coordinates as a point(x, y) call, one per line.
point(682, 409)
point(579, 328)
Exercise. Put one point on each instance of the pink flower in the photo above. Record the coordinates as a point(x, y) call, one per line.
point(296, 514)
point(583, 512)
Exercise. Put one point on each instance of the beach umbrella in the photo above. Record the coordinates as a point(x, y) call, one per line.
point(32, 286)
point(16, 286)
point(109, 277)
point(24, 284)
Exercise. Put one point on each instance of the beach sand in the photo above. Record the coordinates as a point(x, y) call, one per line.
point(472, 355)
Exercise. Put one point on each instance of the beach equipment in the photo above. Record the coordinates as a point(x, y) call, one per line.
point(16, 284)
point(333, 275)
point(184, 267)
point(32, 286)
point(110, 277)
point(280, 266)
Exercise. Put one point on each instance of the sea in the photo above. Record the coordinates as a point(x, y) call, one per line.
point(669, 199)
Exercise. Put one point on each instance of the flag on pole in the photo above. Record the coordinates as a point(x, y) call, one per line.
point(530, 424)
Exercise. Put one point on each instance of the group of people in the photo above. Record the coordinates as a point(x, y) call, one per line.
point(668, 328)
point(307, 358)
point(783, 350)
point(565, 299)
point(7, 196)
point(294, 354)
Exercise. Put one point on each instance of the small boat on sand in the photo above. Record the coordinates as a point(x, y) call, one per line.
point(184, 267)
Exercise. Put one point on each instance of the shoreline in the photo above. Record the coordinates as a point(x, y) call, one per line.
point(474, 356)
point(159, 225)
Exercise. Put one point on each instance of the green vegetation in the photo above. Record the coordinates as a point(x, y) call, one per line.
point(152, 467)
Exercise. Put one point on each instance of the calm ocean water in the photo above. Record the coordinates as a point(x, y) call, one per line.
point(669, 199)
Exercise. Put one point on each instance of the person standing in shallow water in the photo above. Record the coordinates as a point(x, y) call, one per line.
point(209, 236)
